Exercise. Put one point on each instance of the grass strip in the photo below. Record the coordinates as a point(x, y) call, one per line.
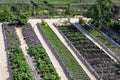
point(74, 68)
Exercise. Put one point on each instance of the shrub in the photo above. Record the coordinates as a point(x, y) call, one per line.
point(82, 21)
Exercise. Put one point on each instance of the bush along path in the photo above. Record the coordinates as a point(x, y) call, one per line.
point(19, 66)
point(76, 72)
point(37, 52)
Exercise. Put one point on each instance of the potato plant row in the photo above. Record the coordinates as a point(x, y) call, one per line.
point(44, 65)
point(75, 70)
point(19, 66)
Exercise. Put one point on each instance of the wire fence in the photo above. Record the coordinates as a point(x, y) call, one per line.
point(44, 10)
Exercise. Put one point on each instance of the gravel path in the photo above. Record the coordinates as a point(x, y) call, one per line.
point(28, 58)
point(4, 72)
point(49, 52)
point(50, 23)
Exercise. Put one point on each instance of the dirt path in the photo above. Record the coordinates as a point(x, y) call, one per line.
point(49, 52)
point(28, 58)
point(4, 72)
point(50, 23)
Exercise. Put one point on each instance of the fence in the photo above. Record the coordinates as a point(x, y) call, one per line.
point(43, 10)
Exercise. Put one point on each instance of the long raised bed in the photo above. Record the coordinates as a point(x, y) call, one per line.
point(101, 62)
point(43, 63)
point(75, 70)
point(30, 36)
point(102, 39)
point(110, 34)
point(19, 66)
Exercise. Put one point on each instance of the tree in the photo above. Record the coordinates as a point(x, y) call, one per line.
point(101, 11)
point(6, 15)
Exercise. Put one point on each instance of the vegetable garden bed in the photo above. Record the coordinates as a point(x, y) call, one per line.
point(100, 61)
point(43, 63)
point(30, 36)
point(74, 68)
point(111, 35)
point(102, 39)
point(19, 66)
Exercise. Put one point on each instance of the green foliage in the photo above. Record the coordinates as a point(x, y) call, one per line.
point(21, 70)
point(101, 11)
point(44, 64)
point(18, 63)
point(95, 33)
point(74, 68)
point(22, 18)
point(43, 22)
point(16, 13)
point(82, 21)
point(115, 25)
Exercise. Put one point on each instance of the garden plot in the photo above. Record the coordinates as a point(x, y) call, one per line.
point(15, 1)
point(74, 68)
point(102, 39)
point(111, 35)
point(27, 56)
point(43, 62)
point(4, 68)
point(102, 63)
point(18, 64)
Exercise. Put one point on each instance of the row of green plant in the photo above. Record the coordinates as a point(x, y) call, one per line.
point(57, 1)
point(100, 61)
point(74, 68)
point(19, 66)
point(12, 39)
point(21, 13)
point(44, 65)
point(101, 38)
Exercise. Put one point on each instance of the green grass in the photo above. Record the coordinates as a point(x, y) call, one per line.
point(102, 39)
point(74, 68)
